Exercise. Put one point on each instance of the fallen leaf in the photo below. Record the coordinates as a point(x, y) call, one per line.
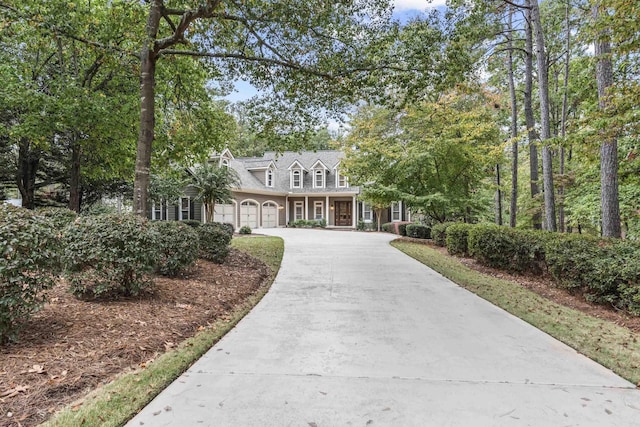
point(37, 369)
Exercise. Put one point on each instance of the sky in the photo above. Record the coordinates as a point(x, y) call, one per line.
point(403, 11)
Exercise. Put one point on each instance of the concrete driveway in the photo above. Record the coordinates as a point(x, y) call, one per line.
point(355, 333)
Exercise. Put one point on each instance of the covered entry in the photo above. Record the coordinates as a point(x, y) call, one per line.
point(343, 214)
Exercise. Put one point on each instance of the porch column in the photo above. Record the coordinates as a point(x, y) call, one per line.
point(306, 207)
point(326, 209)
point(354, 218)
point(286, 210)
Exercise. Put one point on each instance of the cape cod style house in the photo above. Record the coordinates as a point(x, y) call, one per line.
point(277, 189)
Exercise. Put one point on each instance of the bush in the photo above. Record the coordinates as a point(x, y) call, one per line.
point(570, 259)
point(245, 229)
point(311, 223)
point(29, 261)
point(191, 223)
point(402, 229)
point(418, 231)
point(388, 227)
point(214, 242)
point(507, 248)
point(457, 238)
point(109, 255)
point(177, 246)
point(229, 227)
point(439, 233)
point(99, 209)
point(58, 217)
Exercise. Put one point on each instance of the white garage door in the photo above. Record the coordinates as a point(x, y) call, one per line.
point(249, 214)
point(269, 215)
point(224, 213)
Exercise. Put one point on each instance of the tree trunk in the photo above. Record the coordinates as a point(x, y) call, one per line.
point(28, 162)
point(74, 175)
point(609, 201)
point(563, 118)
point(498, 197)
point(514, 124)
point(147, 111)
point(532, 135)
point(545, 134)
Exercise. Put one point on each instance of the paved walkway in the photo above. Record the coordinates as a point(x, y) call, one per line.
point(355, 333)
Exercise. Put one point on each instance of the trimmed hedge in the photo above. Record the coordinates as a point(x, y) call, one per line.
point(245, 230)
point(191, 223)
point(109, 255)
point(457, 238)
point(29, 262)
point(418, 231)
point(177, 246)
point(388, 227)
point(439, 233)
point(214, 242)
point(308, 223)
point(402, 229)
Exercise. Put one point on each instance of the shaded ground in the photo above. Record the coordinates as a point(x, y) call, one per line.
point(543, 285)
point(72, 346)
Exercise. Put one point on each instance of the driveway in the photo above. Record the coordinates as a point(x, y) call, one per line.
point(355, 333)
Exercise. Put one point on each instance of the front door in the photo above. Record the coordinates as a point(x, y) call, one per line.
point(343, 214)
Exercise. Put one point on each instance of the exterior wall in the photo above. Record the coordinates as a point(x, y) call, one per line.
point(260, 199)
point(260, 175)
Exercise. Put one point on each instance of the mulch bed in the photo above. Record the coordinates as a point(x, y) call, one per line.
point(71, 346)
point(543, 286)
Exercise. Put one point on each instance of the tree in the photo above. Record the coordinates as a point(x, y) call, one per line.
point(214, 184)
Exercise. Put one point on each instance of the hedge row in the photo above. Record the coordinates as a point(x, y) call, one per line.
point(408, 229)
point(101, 256)
point(604, 270)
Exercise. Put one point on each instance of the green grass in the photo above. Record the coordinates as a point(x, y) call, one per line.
point(117, 402)
point(613, 346)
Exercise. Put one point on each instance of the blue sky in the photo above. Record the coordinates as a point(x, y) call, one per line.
point(403, 11)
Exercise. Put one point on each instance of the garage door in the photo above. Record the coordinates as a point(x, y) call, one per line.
point(269, 215)
point(224, 213)
point(249, 214)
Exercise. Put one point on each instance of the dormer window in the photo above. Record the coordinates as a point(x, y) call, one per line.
point(318, 178)
point(269, 178)
point(225, 163)
point(296, 178)
point(341, 180)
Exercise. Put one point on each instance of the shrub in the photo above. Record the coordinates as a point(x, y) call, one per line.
point(99, 209)
point(418, 231)
point(311, 223)
point(29, 261)
point(570, 259)
point(214, 242)
point(439, 233)
point(191, 223)
point(177, 246)
point(58, 217)
point(109, 255)
point(245, 229)
point(388, 227)
point(402, 229)
point(457, 238)
point(229, 227)
point(507, 248)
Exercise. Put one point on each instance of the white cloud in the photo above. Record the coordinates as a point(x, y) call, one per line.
point(421, 5)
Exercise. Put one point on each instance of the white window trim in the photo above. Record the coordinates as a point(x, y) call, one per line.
point(316, 173)
point(338, 176)
point(297, 204)
point(318, 204)
point(300, 180)
point(399, 211)
point(180, 211)
point(153, 211)
point(367, 211)
point(224, 162)
point(268, 172)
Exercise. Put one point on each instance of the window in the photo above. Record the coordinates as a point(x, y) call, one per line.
point(318, 178)
point(318, 210)
point(395, 211)
point(269, 178)
point(225, 162)
point(185, 208)
point(298, 210)
point(367, 214)
point(296, 181)
point(341, 180)
point(156, 211)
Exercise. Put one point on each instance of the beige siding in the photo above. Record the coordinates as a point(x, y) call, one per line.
point(261, 199)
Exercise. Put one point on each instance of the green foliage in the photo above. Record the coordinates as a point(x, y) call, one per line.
point(99, 208)
point(308, 223)
point(29, 261)
point(59, 217)
point(245, 229)
point(214, 242)
point(177, 246)
point(213, 184)
point(388, 227)
point(439, 233)
point(507, 248)
point(109, 255)
point(402, 229)
point(227, 227)
point(457, 235)
point(418, 231)
point(365, 226)
point(570, 257)
point(191, 223)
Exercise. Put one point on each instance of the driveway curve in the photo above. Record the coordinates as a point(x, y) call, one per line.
point(355, 333)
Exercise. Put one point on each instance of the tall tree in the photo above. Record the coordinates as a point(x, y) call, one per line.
point(514, 120)
point(214, 184)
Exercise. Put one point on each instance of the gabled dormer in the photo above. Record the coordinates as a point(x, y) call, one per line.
point(319, 171)
point(264, 170)
point(341, 180)
point(296, 173)
point(225, 157)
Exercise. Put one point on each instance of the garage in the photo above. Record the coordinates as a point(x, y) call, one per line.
point(269, 215)
point(225, 213)
point(249, 214)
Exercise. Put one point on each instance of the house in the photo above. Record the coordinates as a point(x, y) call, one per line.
point(278, 189)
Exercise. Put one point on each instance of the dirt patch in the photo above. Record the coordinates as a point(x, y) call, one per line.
point(544, 286)
point(71, 346)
